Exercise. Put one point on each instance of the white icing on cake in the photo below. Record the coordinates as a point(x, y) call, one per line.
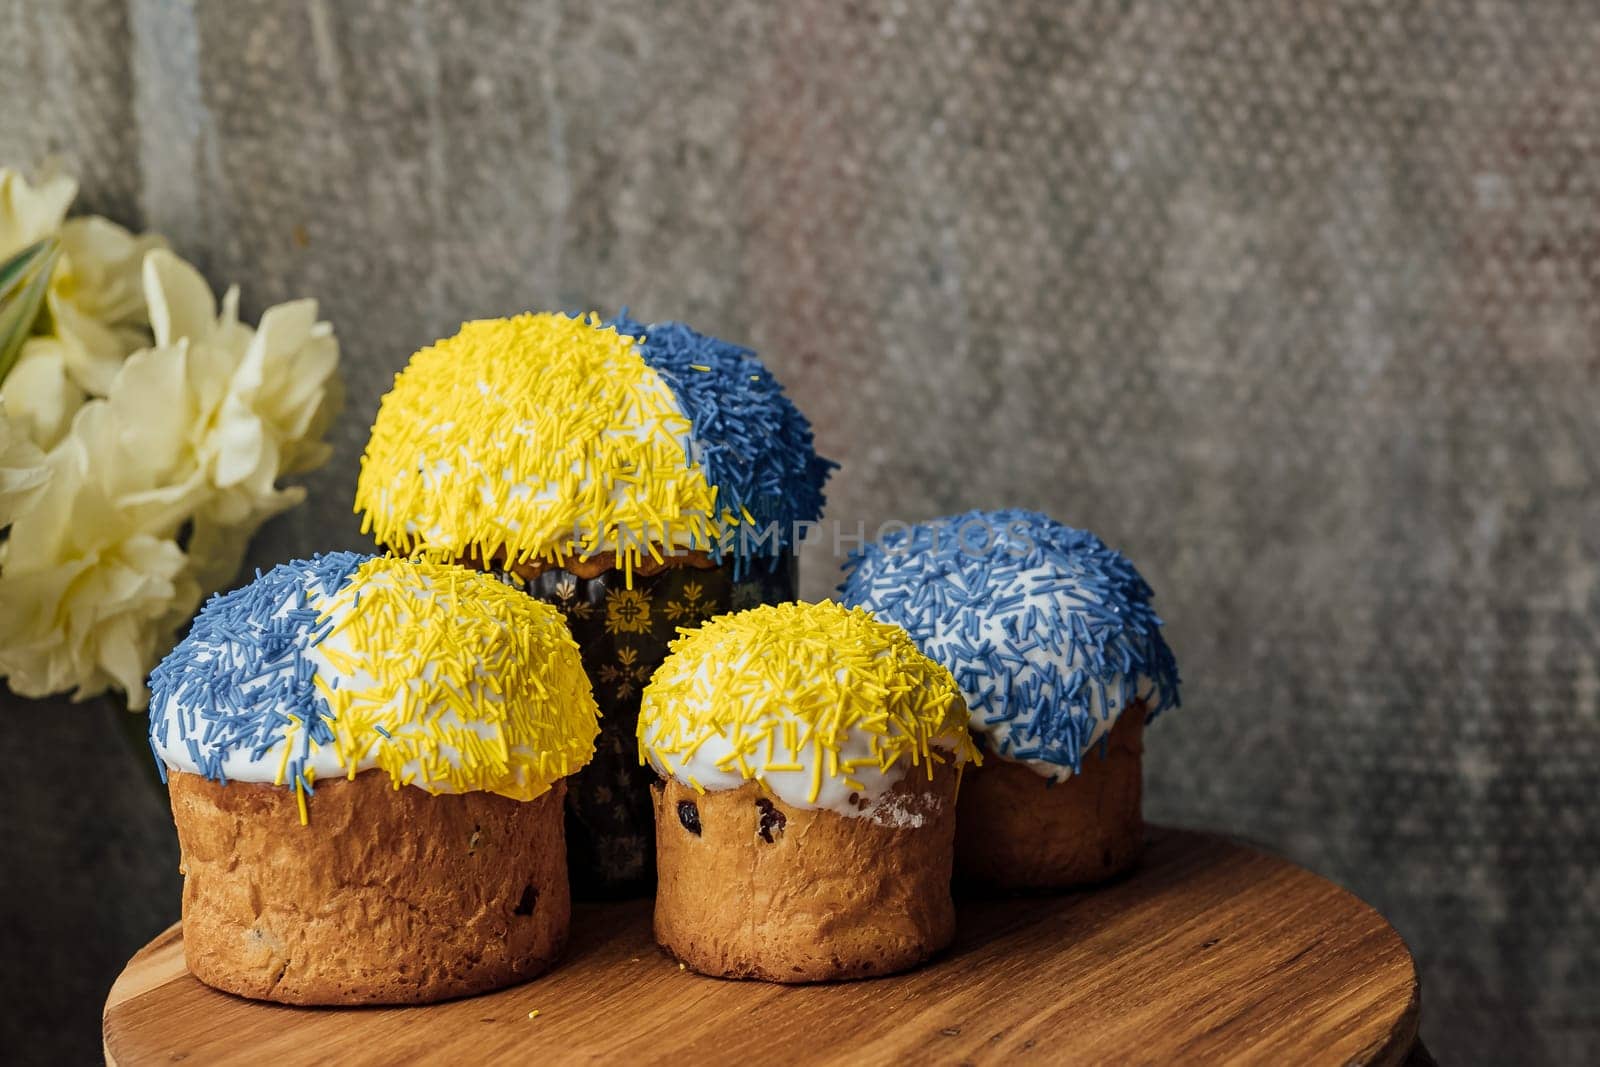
point(323, 761)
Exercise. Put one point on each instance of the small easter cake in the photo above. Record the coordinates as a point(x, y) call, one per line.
point(365, 758)
point(640, 478)
point(1052, 639)
point(805, 819)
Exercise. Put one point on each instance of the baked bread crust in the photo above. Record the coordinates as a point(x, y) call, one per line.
point(829, 896)
point(389, 896)
point(1017, 830)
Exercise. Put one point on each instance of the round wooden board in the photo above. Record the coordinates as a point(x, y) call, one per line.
point(1210, 951)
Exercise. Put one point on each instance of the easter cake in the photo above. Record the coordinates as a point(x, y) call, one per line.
point(366, 759)
point(1060, 656)
point(809, 758)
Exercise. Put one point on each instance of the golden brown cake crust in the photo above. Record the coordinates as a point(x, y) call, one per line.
point(1016, 830)
point(389, 896)
point(830, 896)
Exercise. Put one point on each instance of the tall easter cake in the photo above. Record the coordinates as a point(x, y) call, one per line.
point(366, 759)
point(806, 814)
point(1052, 639)
point(640, 478)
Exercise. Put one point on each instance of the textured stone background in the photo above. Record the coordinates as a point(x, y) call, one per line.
point(1294, 302)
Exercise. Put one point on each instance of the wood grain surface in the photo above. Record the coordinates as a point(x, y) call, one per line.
point(1209, 951)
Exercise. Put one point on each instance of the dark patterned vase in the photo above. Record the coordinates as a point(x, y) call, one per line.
point(623, 634)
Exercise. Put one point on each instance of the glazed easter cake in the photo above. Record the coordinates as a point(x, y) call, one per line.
point(640, 478)
point(366, 759)
point(809, 758)
point(1060, 657)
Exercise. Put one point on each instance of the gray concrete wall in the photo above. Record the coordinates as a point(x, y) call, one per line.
point(1296, 303)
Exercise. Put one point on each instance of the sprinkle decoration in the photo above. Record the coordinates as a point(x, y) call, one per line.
point(788, 684)
point(544, 437)
point(754, 445)
point(440, 676)
point(1048, 632)
point(240, 684)
point(534, 438)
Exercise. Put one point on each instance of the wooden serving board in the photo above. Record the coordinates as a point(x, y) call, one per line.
point(1211, 950)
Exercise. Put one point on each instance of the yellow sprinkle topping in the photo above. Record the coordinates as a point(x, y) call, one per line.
point(454, 682)
point(538, 437)
point(786, 681)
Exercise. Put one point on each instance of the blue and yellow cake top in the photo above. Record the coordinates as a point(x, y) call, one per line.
point(440, 676)
point(815, 701)
point(745, 433)
point(1049, 633)
point(546, 437)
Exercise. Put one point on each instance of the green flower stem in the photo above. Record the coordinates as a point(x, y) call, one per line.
point(24, 280)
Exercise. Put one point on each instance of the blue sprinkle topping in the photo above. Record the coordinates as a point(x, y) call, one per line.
point(753, 443)
point(241, 671)
point(1076, 629)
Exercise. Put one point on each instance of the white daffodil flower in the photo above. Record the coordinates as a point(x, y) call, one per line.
point(23, 473)
point(28, 213)
point(39, 396)
point(89, 599)
point(95, 302)
point(249, 405)
point(143, 435)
